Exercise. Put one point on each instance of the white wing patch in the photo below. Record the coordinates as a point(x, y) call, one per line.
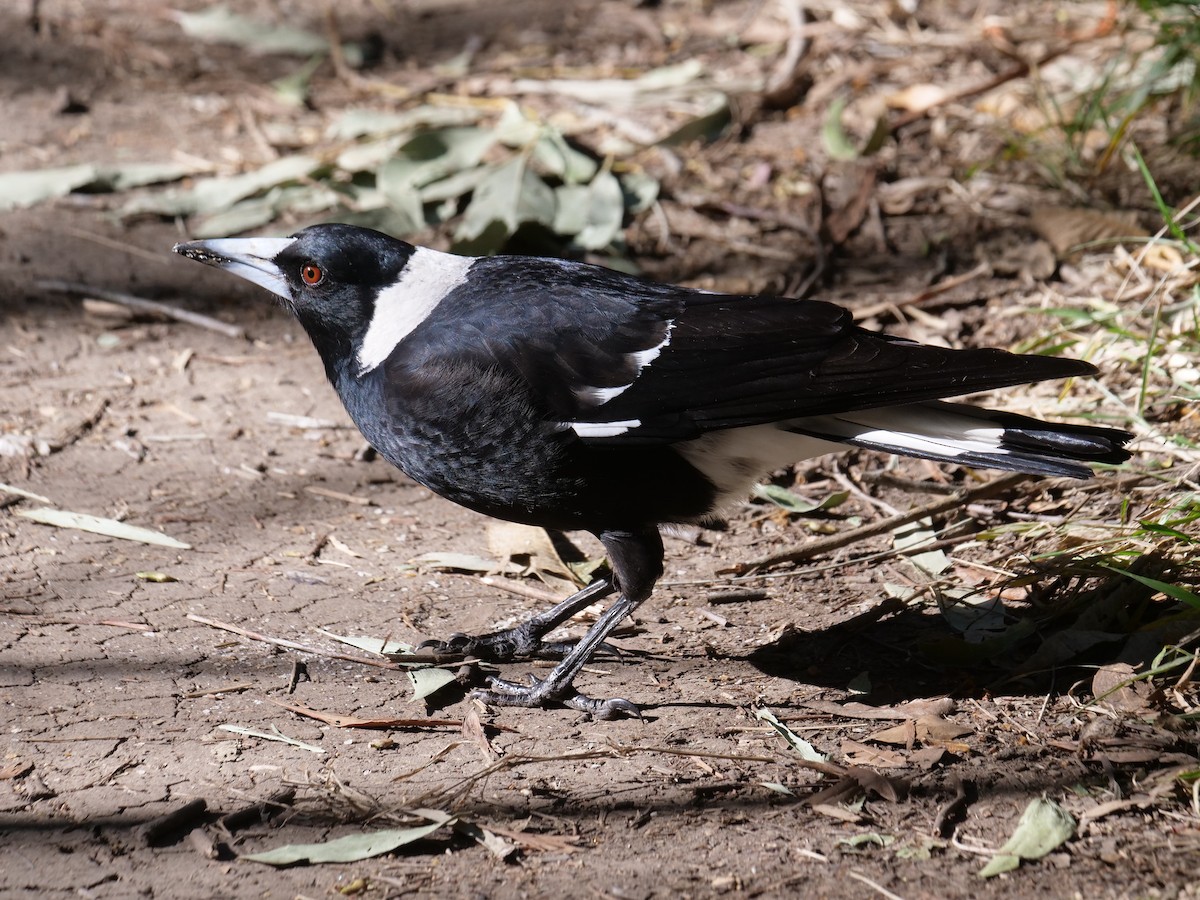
point(603, 429)
point(424, 282)
point(916, 427)
point(594, 396)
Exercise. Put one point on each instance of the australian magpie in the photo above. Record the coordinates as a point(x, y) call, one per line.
point(569, 396)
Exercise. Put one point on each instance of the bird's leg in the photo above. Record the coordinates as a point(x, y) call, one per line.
point(525, 640)
point(637, 561)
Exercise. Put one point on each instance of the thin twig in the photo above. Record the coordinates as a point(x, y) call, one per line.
point(848, 483)
point(144, 305)
point(854, 535)
point(234, 688)
point(293, 645)
point(39, 619)
point(1020, 70)
point(946, 284)
point(858, 876)
point(119, 246)
point(521, 590)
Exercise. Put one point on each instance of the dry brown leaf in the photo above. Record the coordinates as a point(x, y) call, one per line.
point(902, 735)
point(1014, 108)
point(933, 708)
point(881, 785)
point(838, 812)
point(927, 730)
point(1130, 756)
point(1067, 227)
point(913, 709)
point(844, 221)
point(1113, 685)
point(940, 730)
point(546, 843)
point(863, 755)
point(473, 730)
point(16, 770)
point(531, 547)
point(927, 757)
point(844, 789)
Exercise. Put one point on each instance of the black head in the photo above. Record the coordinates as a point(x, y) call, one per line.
point(329, 276)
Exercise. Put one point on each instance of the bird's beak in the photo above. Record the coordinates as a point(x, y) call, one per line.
point(249, 258)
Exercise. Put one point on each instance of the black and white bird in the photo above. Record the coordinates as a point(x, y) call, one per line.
point(569, 396)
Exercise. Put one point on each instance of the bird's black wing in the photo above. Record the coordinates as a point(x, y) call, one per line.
point(621, 359)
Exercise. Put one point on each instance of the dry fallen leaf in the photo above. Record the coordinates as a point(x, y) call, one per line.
point(16, 770)
point(926, 730)
point(533, 549)
point(857, 754)
point(1113, 685)
point(1068, 227)
point(472, 728)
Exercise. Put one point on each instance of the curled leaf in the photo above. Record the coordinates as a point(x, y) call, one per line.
point(1043, 826)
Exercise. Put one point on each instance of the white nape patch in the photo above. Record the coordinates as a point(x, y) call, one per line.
point(594, 396)
point(424, 282)
point(603, 429)
point(734, 460)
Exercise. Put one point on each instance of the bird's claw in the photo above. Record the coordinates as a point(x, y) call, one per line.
point(541, 692)
point(457, 643)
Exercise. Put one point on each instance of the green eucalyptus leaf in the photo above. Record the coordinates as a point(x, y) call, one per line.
point(509, 194)
point(556, 157)
point(352, 848)
point(605, 212)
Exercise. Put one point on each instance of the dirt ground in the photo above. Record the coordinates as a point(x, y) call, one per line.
point(115, 700)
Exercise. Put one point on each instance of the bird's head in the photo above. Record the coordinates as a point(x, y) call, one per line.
point(329, 276)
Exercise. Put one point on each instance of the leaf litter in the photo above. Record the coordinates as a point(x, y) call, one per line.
point(1012, 640)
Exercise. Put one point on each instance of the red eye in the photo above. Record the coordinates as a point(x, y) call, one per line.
point(311, 274)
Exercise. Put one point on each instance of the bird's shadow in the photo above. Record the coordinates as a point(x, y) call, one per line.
point(896, 652)
point(878, 653)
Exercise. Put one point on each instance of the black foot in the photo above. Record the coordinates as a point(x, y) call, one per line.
point(525, 640)
point(501, 646)
point(544, 692)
